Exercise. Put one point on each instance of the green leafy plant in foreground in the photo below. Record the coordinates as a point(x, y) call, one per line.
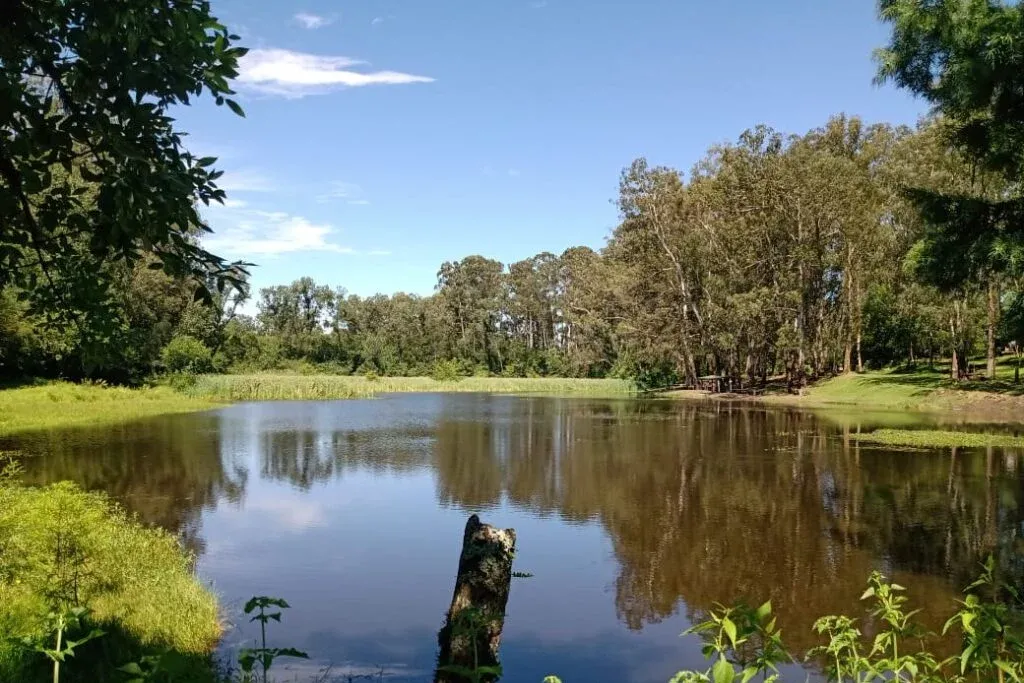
point(745, 644)
point(248, 658)
point(991, 635)
point(168, 665)
point(60, 625)
point(739, 637)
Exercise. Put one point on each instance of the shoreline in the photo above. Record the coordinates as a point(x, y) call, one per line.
point(972, 406)
point(57, 405)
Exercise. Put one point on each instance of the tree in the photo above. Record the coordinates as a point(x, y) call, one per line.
point(299, 314)
point(660, 234)
point(473, 290)
point(93, 169)
point(966, 57)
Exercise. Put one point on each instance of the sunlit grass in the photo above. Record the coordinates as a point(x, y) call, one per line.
point(885, 389)
point(933, 438)
point(922, 388)
point(276, 387)
point(63, 404)
point(137, 581)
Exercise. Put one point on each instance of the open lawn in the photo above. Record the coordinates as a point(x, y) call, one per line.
point(922, 389)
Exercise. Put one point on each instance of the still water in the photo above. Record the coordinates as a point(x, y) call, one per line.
point(635, 518)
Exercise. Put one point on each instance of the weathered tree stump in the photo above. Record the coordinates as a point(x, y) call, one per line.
point(471, 634)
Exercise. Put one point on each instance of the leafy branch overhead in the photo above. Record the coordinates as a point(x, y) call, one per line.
point(966, 58)
point(93, 169)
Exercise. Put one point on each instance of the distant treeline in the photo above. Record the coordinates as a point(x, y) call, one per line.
point(775, 254)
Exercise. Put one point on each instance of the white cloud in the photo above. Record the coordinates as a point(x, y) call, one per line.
point(359, 202)
point(235, 204)
point(376, 21)
point(249, 234)
point(296, 74)
point(312, 21)
point(513, 172)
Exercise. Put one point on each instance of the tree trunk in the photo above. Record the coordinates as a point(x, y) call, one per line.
point(860, 358)
point(954, 368)
point(471, 635)
point(689, 364)
point(993, 320)
point(858, 327)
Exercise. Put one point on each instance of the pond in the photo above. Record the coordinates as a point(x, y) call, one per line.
point(635, 518)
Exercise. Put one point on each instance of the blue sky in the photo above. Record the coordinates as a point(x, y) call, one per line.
point(384, 137)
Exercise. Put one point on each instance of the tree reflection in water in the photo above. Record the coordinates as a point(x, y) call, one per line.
point(702, 503)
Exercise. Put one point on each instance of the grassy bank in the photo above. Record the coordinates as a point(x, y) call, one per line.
point(280, 387)
point(63, 404)
point(923, 390)
point(919, 389)
point(65, 547)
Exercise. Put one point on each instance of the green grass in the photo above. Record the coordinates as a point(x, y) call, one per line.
point(885, 389)
point(919, 389)
point(277, 387)
point(137, 581)
point(63, 404)
point(934, 438)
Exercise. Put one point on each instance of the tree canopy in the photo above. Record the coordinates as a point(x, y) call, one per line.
point(94, 171)
point(966, 58)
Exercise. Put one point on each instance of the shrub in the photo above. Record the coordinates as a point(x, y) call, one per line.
point(445, 371)
point(181, 381)
point(187, 354)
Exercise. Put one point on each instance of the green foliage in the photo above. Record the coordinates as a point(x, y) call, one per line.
point(445, 371)
point(64, 550)
point(964, 57)
point(991, 628)
point(186, 354)
point(62, 404)
point(934, 438)
point(744, 643)
point(60, 626)
point(265, 656)
point(278, 387)
point(93, 168)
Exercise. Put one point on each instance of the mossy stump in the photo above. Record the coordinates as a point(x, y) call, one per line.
point(471, 635)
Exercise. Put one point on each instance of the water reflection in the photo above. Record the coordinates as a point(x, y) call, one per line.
point(167, 471)
point(697, 504)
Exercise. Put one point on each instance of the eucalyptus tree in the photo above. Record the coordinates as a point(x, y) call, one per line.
point(473, 291)
point(660, 242)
